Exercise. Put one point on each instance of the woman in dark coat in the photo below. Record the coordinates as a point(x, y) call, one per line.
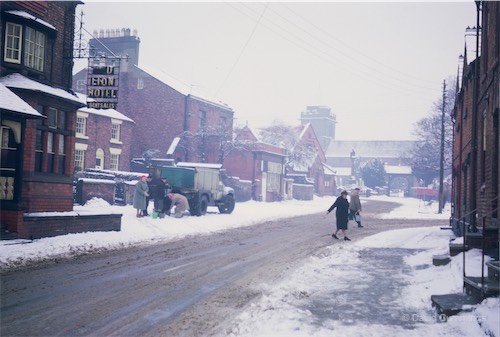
point(342, 214)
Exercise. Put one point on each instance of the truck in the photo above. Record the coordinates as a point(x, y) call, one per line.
point(201, 184)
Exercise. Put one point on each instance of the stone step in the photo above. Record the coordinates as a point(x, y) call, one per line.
point(475, 287)
point(493, 270)
point(457, 248)
point(452, 304)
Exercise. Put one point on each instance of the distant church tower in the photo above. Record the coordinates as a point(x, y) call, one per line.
point(323, 123)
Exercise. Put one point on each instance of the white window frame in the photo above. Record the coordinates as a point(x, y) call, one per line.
point(114, 161)
point(114, 156)
point(116, 131)
point(80, 158)
point(13, 42)
point(83, 116)
point(50, 115)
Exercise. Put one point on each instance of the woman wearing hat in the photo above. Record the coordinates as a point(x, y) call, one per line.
point(140, 194)
point(342, 214)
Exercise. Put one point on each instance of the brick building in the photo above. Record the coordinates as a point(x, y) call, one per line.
point(476, 145)
point(162, 107)
point(38, 136)
point(260, 163)
point(316, 171)
point(102, 138)
point(476, 164)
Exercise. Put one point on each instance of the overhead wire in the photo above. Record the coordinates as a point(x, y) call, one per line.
point(327, 56)
point(242, 50)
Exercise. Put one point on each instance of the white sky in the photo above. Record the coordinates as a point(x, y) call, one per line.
point(278, 312)
point(379, 66)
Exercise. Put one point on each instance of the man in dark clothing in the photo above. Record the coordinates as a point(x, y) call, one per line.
point(164, 190)
point(148, 197)
point(342, 214)
point(156, 191)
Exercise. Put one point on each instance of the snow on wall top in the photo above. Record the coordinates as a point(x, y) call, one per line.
point(370, 149)
point(395, 169)
point(10, 101)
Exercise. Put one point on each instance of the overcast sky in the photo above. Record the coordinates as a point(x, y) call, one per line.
point(379, 66)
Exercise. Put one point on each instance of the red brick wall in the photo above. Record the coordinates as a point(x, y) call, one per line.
point(216, 133)
point(161, 114)
point(157, 110)
point(47, 226)
point(47, 195)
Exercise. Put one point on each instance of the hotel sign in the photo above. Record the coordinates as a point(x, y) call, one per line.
point(102, 83)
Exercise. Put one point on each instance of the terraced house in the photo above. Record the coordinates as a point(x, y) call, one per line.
point(38, 120)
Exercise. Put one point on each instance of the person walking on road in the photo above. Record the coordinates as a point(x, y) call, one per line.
point(355, 207)
point(342, 214)
point(140, 194)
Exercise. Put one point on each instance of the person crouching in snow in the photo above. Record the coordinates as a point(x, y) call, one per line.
point(180, 202)
point(342, 214)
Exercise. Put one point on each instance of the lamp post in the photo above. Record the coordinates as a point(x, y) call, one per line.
point(441, 161)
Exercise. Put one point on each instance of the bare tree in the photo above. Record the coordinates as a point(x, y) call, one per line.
point(215, 140)
point(426, 153)
point(300, 154)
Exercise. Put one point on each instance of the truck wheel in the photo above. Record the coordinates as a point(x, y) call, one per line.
point(202, 206)
point(227, 205)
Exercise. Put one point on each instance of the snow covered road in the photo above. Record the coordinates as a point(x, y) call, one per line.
point(194, 286)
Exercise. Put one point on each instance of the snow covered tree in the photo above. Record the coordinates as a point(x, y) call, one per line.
point(281, 134)
point(427, 151)
point(373, 173)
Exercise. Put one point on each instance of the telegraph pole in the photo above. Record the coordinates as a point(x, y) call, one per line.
point(441, 162)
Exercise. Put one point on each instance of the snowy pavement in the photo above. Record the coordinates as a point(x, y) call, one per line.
point(378, 286)
point(342, 292)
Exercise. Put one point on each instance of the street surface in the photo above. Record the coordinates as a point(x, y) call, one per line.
point(190, 287)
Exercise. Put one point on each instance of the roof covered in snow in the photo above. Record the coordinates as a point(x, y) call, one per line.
point(203, 165)
point(370, 149)
point(111, 113)
point(342, 171)
point(19, 81)
point(11, 102)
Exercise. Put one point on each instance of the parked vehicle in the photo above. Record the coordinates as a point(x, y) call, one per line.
point(202, 186)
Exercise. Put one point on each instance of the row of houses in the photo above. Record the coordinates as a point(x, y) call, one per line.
point(50, 128)
point(476, 163)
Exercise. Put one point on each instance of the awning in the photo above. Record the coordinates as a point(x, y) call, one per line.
point(9, 101)
point(28, 16)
